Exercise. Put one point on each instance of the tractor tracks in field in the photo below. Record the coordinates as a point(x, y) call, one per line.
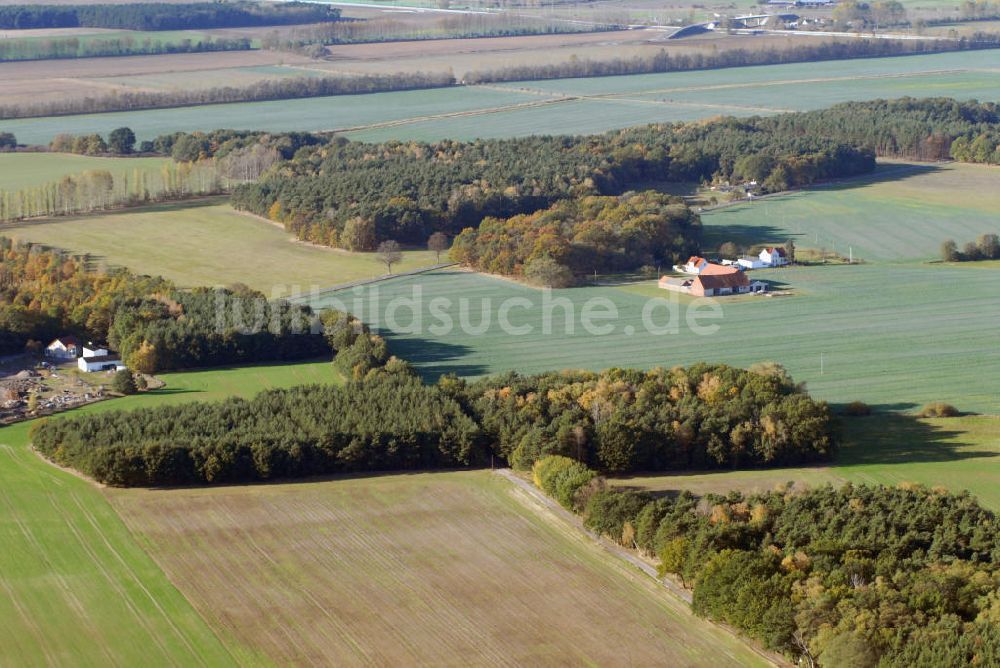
point(540, 502)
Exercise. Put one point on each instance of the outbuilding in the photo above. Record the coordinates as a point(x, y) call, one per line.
point(63, 348)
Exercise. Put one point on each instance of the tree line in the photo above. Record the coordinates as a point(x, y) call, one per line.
point(46, 293)
point(12, 50)
point(986, 247)
point(164, 15)
point(270, 89)
point(100, 190)
point(579, 236)
point(354, 195)
point(858, 576)
point(311, 40)
point(664, 61)
point(619, 420)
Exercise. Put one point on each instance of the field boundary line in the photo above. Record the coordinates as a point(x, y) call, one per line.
point(454, 114)
point(546, 504)
point(378, 279)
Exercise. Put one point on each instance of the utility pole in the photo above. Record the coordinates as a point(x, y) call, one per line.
point(821, 365)
point(851, 251)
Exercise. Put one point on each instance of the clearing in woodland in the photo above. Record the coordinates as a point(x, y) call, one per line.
point(416, 569)
point(208, 243)
point(961, 453)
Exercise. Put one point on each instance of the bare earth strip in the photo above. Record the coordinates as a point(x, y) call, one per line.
point(419, 569)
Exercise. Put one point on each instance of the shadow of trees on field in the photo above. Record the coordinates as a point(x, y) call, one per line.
point(888, 437)
point(433, 358)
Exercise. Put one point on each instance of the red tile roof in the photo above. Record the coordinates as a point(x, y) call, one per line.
point(712, 269)
point(736, 279)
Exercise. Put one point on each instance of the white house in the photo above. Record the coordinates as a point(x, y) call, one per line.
point(90, 350)
point(769, 257)
point(751, 263)
point(695, 265)
point(774, 257)
point(106, 362)
point(63, 348)
point(95, 358)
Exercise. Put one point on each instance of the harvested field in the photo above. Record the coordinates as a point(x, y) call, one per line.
point(464, 55)
point(208, 243)
point(418, 569)
point(43, 80)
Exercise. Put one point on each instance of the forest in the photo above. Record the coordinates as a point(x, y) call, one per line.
point(268, 89)
point(353, 195)
point(667, 62)
point(859, 576)
point(386, 422)
point(164, 16)
point(12, 50)
point(46, 293)
point(705, 416)
point(212, 327)
point(586, 235)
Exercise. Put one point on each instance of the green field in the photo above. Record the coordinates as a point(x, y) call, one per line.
point(902, 212)
point(568, 105)
point(956, 453)
point(140, 36)
point(77, 588)
point(209, 244)
point(26, 170)
point(894, 335)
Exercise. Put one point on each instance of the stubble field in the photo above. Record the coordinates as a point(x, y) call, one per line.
point(419, 569)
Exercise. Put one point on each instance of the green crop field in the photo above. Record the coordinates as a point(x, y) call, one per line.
point(894, 335)
point(417, 569)
point(140, 36)
point(26, 170)
point(956, 453)
point(568, 105)
point(209, 244)
point(902, 212)
point(69, 563)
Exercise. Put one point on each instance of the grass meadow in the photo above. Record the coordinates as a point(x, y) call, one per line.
point(566, 105)
point(27, 170)
point(69, 562)
point(902, 212)
point(444, 568)
point(208, 243)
